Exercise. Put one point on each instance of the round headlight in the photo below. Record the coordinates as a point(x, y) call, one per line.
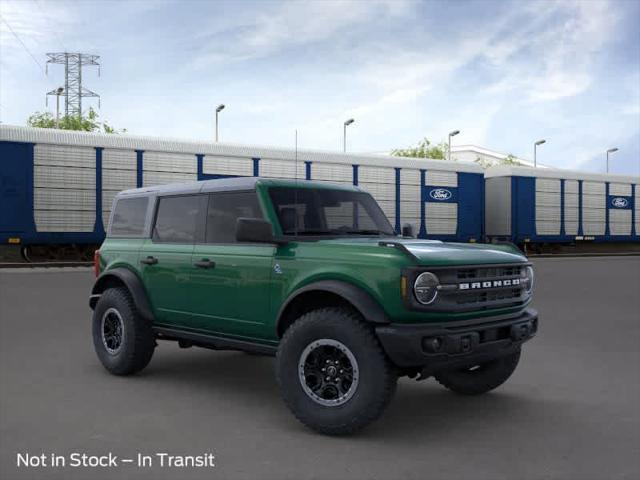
point(425, 288)
point(529, 276)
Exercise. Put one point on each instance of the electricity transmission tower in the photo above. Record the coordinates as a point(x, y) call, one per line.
point(73, 91)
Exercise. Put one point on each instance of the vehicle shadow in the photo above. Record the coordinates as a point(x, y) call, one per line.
point(420, 411)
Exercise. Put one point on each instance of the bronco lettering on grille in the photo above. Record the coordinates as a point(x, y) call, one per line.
point(489, 284)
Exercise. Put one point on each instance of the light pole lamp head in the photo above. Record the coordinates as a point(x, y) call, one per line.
point(59, 90)
point(219, 108)
point(540, 142)
point(349, 122)
point(454, 133)
point(611, 150)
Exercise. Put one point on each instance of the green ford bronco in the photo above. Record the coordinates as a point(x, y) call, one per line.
point(314, 274)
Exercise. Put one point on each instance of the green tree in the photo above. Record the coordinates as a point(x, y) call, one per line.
point(88, 123)
point(508, 160)
point(424, 149)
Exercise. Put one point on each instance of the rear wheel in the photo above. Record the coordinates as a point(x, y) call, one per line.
point(332, 372)
point(480, 378)
point(124, 342)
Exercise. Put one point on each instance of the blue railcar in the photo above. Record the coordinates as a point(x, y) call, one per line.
point(544, 205)
point(57, 186)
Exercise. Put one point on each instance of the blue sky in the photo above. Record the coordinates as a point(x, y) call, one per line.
point(504, 73)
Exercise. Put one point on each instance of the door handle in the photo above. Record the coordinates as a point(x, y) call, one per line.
point(149, 260)
point(204, 263)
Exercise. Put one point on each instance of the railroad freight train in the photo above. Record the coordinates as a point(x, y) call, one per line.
point(57, 187)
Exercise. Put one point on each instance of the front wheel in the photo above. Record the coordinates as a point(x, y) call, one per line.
point(332, 372)
point(480, 378)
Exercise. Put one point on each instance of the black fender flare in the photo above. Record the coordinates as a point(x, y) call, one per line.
point(370, 309)
point(132, 282)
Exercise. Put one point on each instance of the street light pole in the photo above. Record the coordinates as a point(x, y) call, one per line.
point(611, 150)
point(59, 91)
point(344, 133)
point(535, 147)
point(451, 134)
point(219, 108)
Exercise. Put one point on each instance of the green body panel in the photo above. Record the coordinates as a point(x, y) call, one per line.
point(121, 253)
point(376, 270)
point(244, 293)
point(168, 282)
point(233, 297)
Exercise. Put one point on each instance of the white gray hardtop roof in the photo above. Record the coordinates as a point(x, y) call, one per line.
point(511, 171)
point(13, 133)
point(226, 185)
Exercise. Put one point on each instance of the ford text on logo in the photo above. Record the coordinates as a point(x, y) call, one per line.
point(619, 202)
point(440, 194)
point(513, 282)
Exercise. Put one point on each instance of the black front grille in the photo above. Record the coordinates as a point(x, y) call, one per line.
point(492, 272)
point(492, 296)
point(481, 288)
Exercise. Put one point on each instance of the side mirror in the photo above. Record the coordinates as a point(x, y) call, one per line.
point(254, 230)
point(407, 230)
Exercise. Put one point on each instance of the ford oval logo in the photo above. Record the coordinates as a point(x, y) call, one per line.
point(440, 194)
point(619, 202)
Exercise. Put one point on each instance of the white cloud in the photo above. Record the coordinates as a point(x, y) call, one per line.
point(290, 24)
point(403, 69)
point(38, 25)
point(561, 44)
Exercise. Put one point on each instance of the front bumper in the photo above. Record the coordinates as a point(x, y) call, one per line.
point(434, 347)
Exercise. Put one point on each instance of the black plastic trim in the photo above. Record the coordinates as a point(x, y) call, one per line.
point(212, 341)
point(361, 300)
point(134, 285)
point(400, 246)
point(403, 343)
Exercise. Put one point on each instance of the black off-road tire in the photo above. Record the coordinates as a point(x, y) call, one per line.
point(481, 378)
point(138, 341)
point(377, 377)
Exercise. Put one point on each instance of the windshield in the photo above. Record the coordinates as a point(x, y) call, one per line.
point(306, 211)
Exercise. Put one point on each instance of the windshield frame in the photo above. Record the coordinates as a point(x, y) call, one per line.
point(373, 209)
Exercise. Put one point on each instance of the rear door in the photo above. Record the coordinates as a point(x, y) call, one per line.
point(231, 281)
point(166, 256)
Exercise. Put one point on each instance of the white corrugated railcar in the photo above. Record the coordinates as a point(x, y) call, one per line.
point(58, 186)
point(556, 206)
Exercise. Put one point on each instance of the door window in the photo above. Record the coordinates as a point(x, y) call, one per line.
point(224, 210)
point(177, 219)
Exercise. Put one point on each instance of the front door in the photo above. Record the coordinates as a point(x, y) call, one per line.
point(231, 282)
point(166, 257)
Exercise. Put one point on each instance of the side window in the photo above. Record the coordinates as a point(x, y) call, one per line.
point(224, 210)
point(128, 217)
point(177, 219)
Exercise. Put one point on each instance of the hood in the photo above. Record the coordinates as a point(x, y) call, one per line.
point(444, 253)
point(436, 253)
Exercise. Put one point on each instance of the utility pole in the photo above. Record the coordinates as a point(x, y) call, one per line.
point(73, 90)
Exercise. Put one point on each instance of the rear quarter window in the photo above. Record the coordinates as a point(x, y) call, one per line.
point(129, 217)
